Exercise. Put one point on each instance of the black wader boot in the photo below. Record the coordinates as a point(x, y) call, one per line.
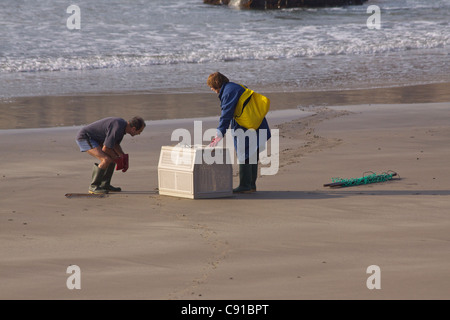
point(97, 178)
point(245, 179)
point(254, 177)
point(106, 183)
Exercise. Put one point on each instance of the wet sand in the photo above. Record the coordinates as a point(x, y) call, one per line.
point(58, 111)
point(292, 239)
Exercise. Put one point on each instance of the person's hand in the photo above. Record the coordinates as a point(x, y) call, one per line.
point(125, 162)
point(215, 141)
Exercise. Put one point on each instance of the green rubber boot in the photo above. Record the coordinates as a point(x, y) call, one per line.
point(254, 177)
point(97, 178)
point(106, 182)
point(245, 179)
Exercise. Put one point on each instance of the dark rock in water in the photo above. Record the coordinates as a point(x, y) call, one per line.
point(278, 4)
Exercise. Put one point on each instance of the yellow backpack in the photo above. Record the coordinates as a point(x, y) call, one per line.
point(251, 109)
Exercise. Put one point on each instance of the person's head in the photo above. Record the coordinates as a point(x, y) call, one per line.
point(216, 80)
point(136, 126)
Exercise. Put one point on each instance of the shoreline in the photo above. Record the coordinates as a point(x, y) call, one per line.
point(276, 117)
point(76, 110)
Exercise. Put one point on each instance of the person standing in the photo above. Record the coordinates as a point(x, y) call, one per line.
point(248, 153)
point(101, 139)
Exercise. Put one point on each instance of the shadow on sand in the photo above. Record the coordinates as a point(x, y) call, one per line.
point(291, 195)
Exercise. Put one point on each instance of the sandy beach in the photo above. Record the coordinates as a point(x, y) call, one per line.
point(293, 239)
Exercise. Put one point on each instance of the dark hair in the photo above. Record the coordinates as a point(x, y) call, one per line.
point(216, 80)
point(137, 122)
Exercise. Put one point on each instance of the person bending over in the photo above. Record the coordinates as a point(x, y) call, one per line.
point(101, 139)
point(248, 153)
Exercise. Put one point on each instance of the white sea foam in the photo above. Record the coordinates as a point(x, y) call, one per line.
point(279, 47)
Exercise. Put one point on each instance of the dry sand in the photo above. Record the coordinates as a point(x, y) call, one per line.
point(293, 239)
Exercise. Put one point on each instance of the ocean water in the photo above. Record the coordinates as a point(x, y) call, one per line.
point(172, 46)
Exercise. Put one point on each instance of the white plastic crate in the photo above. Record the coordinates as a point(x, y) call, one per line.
point(183, 172)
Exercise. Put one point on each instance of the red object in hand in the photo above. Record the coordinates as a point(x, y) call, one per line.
point(125, 162)
point(119, 163)
point(122, 163)
point(215, 141)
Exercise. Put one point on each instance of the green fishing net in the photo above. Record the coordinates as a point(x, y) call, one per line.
point(366, 179)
